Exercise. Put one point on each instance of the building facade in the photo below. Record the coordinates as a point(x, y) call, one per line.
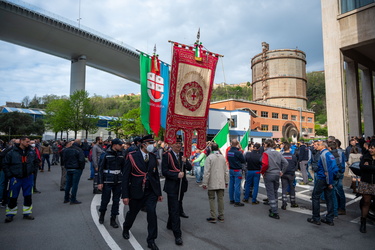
point(349, 55)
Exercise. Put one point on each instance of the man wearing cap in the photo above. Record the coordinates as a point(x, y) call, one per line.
point(141, 188)
point(174, 167)
point(110, 172)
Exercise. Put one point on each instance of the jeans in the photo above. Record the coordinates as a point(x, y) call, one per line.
point(252, 180)
point(46, 157)
point(92, 171)
point(308, 172)
point(198, 173)
point(315, 180)
point(72, 179)
point(235, 177)
point(319, 188)
point(339, 199)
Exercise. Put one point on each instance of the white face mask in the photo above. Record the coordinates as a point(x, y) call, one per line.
point(32, 145)
point(150, 147)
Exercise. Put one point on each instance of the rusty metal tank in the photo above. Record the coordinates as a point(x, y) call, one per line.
point(279, 77)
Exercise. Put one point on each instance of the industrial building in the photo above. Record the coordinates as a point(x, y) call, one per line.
point(349, 65)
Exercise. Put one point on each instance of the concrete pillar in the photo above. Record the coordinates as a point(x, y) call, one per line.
point(368, 102)
point(333, 69)
point(78, 74)
point(353, 99)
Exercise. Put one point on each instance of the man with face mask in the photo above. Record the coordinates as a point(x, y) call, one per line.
point(109, 181)
point(141, 188)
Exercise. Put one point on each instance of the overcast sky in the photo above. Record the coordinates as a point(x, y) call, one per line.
point(234, 29)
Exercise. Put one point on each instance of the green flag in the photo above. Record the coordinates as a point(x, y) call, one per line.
point(145, 67)
point(245, 140)
point(221, 138)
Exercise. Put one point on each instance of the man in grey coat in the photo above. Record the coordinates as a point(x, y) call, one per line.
point(215, 179)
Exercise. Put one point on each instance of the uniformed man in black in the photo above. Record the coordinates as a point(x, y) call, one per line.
point(141, 188)
point(111, 167)
point(174, 167)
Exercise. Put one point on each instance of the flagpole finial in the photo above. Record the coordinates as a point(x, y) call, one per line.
point(198, 34)
point(155, 49)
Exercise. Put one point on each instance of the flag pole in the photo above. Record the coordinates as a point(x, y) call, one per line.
point(181, 166)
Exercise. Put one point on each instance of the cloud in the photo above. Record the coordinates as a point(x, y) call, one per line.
point(235, 29)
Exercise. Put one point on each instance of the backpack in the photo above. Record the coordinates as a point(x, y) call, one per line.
point(89, 157)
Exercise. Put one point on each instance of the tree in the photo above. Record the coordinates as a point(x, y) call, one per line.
point(15, 123)
point(78, 106)
point(57, 116)
point(90, 120)
point(131, 123)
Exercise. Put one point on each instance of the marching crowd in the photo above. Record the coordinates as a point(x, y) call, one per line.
point(131, 172)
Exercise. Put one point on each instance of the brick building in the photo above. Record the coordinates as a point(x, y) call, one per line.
point(281, 121)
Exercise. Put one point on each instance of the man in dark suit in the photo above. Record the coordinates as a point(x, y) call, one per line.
point(141, 188)
point(174, 167)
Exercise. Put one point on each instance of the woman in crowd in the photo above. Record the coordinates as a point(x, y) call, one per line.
point(354, 156)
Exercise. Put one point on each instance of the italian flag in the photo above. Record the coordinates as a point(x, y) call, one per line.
point(222, 139)
point(154, 78)
point(245, 141)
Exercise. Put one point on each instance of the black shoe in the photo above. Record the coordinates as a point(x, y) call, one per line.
point(311, 220)
point(255, 202)
point(362, 228)
point(183, 215)
point(283, 207)
point(28, 217)
point(231, 202)
point(294, 205)
point(125, 234)
point(113, 222)
point(266, 199)
point(330, 223)
point(101, 217)
point(36, 191)
point(239, 204)
point(245, 200)
point(178, 241)
point(8, 219)
point(266, 203)
point(62, 189)
point(75, 202)
point(96, 191)
point(169, 227)
point(274, 216)
point(90, 179)
point(153, 246)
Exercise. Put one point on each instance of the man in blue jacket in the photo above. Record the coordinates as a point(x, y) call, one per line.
point(327, 169)
point(235, 159)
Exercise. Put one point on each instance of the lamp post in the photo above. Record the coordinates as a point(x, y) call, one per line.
point(300, 122)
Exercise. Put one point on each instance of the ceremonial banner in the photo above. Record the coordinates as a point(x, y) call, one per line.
point(154, 92)
point(189, 96)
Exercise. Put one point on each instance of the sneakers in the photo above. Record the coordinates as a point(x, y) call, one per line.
point(8, 219)
point(28, 217)
point(255, 203)
point(302, 183)
point(311, 179)
point(220, 219)
point(231, 202)
point(313, 221)
point(245, 200)
point(211, 220)
point(239, 204)
point(266, 202)
point(274, 215)
point(294, 205)
point(75, 202)
point(330, 223)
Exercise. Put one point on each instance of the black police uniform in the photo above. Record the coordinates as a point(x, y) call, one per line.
point(141, 184)
point(110, 172)
point(171, 167)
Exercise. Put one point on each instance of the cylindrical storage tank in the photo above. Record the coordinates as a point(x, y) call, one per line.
point(279, 77)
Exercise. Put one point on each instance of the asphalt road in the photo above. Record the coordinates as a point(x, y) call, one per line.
point(64, 226)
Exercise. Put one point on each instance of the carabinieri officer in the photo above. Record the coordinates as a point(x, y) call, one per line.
point(141, 188)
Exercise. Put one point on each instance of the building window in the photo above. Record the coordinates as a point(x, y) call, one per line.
point(284, 116)
point(233, 121)
point(264, 114)
point(275, 128)
point(309, 119)
point(294, 118)
point(264, 127)
point(275, 115)
point(348, 5)
point(310, 130)
point(303, 118)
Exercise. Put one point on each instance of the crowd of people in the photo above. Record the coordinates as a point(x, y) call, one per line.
point(131, 172)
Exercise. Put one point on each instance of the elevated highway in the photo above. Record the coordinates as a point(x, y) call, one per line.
point(24, 26)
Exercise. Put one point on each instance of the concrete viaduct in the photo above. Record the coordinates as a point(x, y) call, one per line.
point(29, 28)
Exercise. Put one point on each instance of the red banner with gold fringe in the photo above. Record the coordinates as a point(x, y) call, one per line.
point(191, 84)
